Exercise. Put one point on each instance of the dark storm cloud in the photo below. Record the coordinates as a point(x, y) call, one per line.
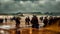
point(25, 0)
point(29, 6)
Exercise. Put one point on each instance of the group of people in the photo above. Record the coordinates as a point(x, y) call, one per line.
point(2, 20)
point(47, 21)
point(52, 20)
point(34, 21)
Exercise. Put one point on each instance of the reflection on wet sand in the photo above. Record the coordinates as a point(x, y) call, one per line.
point(28, 31)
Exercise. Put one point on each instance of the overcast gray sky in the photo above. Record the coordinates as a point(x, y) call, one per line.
point(13, 6)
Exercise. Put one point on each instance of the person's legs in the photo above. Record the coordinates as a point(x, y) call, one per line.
point(17, 25)
point(28, 23)
point(37, 26)
point(45, 24)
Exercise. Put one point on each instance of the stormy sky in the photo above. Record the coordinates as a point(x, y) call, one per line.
point(14, 6)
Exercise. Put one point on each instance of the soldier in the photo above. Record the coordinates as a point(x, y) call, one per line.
point(34, 22)
point(27, 20)
point(1, 20)
point(5, 19)
point(41, 18)
point(17, 20)
point(50, 20)
point(45, 21)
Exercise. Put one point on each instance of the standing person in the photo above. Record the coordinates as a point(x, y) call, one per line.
point(34, 22)
point(17, 20)
point(5, 19)
point(41, 18)
point(1, 20)
point(59, 22)
point(45, 21)
point(51, 20)
point(27, 20)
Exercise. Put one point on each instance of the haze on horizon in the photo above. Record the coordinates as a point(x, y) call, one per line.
point(14, 6)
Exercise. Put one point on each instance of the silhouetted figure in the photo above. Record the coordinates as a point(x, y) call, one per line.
point(1, 20)
point(41, 18)
point(59, 22)
point(27, 20)
point(45, 21)
point(55, 19)
point(5, 19)
point(13, 18)
point(50, 20)
point(17, 20)
point(34, 22)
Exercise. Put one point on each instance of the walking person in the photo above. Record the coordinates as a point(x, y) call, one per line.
point(1, 20)
point(50, 20)
point(34, 22)
point(45, 21)
point(27, 20)
point(41, 18)
point(5, 19)
point(17, 20)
